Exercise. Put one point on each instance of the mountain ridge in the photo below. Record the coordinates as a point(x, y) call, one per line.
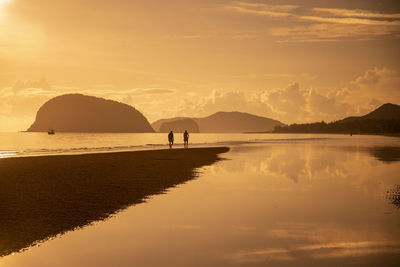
point(180, 125)
point(387, 111)
point(227, 122)
point(384, 119)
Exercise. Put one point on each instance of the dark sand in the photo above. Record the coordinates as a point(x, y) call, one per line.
point(41, 197)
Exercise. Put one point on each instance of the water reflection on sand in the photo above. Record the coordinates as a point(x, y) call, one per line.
point(275, 205)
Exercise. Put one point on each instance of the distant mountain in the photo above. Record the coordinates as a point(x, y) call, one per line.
point(157, 124)
point(229, 122)
point(387, 111)
point(236, 122)
point(385, 119)
point(180, 125)
point(81, 113)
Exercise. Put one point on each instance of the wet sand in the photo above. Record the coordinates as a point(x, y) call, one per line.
point(41, 197)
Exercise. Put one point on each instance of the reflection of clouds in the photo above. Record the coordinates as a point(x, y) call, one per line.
point(299, 231)
point(306, 167)
point(262, 255)
point(178, 227)
point(294, 162)
point(320, 203)
point(293, 241)
point(346, 249)
point(290, 164)
point(304, 162)
point(324, 160)
point(253, 164)
point(318, 251)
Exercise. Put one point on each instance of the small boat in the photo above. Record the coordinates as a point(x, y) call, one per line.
point(51, 132)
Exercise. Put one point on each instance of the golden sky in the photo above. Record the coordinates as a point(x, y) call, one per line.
point(294, 61)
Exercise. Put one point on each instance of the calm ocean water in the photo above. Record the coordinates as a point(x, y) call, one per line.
point(277, 200)
point(18, 144)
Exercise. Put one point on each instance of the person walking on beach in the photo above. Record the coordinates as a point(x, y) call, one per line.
point(186, 139)
point(171, 139)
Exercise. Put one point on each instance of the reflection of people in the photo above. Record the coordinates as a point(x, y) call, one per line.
point(186, 139)
point(171, 139)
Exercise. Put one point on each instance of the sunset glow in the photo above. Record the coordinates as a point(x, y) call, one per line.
point(199, 133)
point(5, 1)
point(295, 62)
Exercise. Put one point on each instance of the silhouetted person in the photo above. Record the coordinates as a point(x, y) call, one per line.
point(171, 139)
point(186, 139)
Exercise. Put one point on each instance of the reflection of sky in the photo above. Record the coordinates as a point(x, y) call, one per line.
point(4, 154)
point(275, 205)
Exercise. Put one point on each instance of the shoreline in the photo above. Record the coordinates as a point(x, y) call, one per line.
point(372, 134)
point(90, 151)
point(56, 148)
point(43, 196)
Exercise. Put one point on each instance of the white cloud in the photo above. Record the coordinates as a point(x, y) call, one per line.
point(329, 107)
point(294, 104)
point(357, 13)
point(329, 32)
point(351, 21)
point(260, 9)
point(374, 76)
point(224, 101)
point(18, 104)
point(289, 103)
point(321, 24)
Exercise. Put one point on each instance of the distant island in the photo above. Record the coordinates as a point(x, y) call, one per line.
point(383, 120)
point(226, 122)
point(82, 113)
point(180, 125)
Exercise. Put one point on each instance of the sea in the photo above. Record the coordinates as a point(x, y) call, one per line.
point(273, 200)
point(23, 144)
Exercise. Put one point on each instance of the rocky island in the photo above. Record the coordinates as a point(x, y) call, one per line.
point(82, 113)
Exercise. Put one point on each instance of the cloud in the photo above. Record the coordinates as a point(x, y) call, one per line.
point(330, 32)
point(294, 104)
point(19, 104)
point(357, 13)
point(224, 101)
point(187, 36)
point(151, 91)
point(335, 24)
point(330, 250)
point(374, 103)
point(289, 103)
point(380, 83)
point(41, 84)
point(351, 21)
point(373, 76)
point(260, 9)
point(303, 76)
point(328, 106)
point(23, 97)
point(322, 24)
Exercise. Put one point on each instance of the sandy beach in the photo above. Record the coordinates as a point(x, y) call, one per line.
point(41, 197)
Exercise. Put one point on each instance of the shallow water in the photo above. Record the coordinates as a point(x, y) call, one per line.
point(309, 203)
point(19, 144)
